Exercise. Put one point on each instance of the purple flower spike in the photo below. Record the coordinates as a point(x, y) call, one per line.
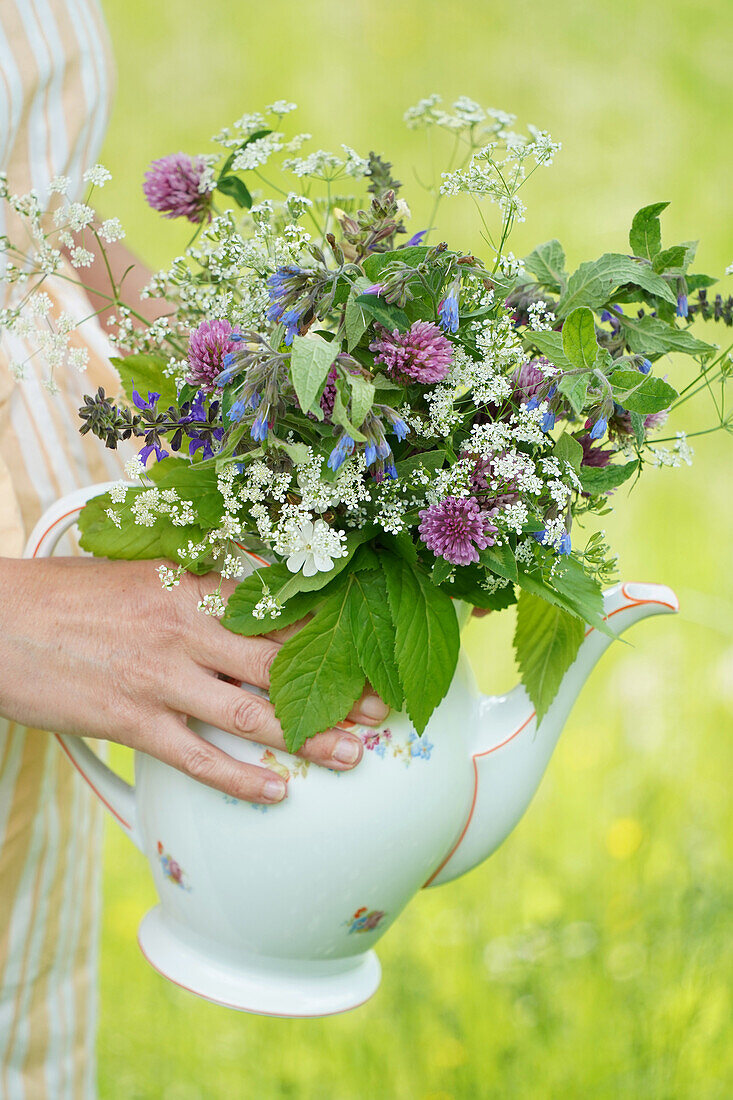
point(422, 354)
point(176, 186)
point(456, 529)
point(151, 402)
point(417, 239)
point(209, 353)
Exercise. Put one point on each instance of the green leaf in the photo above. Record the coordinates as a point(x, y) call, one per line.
point(638, 427)
point(575, 388)
point(146, 373)
point(235, 189)
point(300, 583)
point(340, 416)
point(651, 337)
point(550, 345)
point(441, 570)
point(401, 545)
point(641, 393)
point(426, 637)
point(579, 338)
point(192, 481)
point(546, 642)
point(428, 460)
point(569, 450)
point(310, 363)
point(374, 636)
point(373, 265)
point(547, 264)
point(392, 317)
point(592, 284)
point(670, 259)
point(572, 590)
point(645, 236)
point(362, 397)
point(133, 541)
point(501, 560)
point(600, 479)
point(316, 677)
point(355, 321)
point(238, 615)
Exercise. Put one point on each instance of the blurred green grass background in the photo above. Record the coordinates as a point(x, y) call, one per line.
point(590, 957)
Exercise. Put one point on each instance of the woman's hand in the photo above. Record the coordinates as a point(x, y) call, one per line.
point(100, 649)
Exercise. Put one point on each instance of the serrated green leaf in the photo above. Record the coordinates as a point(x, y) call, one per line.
point(133, 541)
point(441, 570)
point(146, 373)
point(645, 235)
point(426, 637)
point(572, 590)
point(310, 362)
point(428, 460)
point(575, 388)
point(401, 545)
point(546, 642)
point(547, 264)
point(652, 337)
point(501, 560)
point(592, 284)
point(374, 635)
point(579, 338)
point(316, 677)
point(641, 393)
point(600, 479)
point(362, 397)
point(638, 427)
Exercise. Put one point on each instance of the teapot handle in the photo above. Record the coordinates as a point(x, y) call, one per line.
point(114, 793)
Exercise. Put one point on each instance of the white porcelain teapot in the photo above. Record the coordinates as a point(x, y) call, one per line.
point(276, 909)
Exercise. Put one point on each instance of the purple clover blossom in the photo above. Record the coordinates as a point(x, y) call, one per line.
point(456, 528)
point(448, 311)
point(527, 382)
point(176, 186)
point(422, 354)
point(209, 353)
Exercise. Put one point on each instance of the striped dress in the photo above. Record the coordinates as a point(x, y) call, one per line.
point(55, 83)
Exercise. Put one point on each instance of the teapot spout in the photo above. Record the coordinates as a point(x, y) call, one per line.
point(510, 754)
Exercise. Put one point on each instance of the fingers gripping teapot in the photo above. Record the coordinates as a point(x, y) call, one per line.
point(276, 909)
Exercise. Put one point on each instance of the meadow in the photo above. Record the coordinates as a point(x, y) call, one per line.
point(590, 957)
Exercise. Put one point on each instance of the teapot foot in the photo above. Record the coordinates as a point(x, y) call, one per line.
point(265, 986)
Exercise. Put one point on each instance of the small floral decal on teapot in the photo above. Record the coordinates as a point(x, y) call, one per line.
point(365, 919)
point(172, 869)
point(414, 748)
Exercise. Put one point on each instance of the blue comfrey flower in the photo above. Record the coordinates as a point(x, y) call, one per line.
point(151, 402)
point(448, 312)
point(548, 421)
point(237, 411)
point(375, 288)
point(399, 428)
point(260, 428)
point(645, 366)
point(391, 471)
point(416, 239)
point(599, 429)
point(291, 320)
point(682, 309)
point(565, 546)
point(227, 360)
point(370, 453)
point(533, 402)
point(343, 448)
point(230, 369)
point(540, 536)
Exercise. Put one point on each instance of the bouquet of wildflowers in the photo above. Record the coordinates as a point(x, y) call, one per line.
point(395, 424)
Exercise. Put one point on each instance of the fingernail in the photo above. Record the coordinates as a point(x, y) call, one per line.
point(347, 750)
point(274, 790)
point(373, 707)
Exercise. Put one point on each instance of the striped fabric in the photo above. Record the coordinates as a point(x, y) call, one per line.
point(55, 77)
